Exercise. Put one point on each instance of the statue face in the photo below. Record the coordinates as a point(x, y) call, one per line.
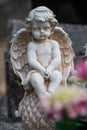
point(41, 30)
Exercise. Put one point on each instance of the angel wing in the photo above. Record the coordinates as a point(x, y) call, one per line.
point(18, 53)
point(67, 53)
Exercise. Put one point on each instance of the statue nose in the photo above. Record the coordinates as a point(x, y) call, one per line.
point(41, 30)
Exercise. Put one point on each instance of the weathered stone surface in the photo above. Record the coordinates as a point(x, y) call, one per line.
point(3, 107)
point(11, 126)
point(78, 35)
point(14, 90)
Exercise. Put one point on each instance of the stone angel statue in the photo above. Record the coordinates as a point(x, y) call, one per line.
point(42, 57)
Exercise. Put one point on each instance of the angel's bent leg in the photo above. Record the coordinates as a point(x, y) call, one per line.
point(37, 83)
point(55, 80)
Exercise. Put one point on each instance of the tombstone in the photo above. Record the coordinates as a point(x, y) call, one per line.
point(14, 89)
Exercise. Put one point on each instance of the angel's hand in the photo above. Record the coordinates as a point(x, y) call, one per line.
point(47, 73)
point(42, 72)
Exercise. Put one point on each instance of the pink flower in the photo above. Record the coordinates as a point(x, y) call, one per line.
point(72, 107)
point(72, 113)
point(69, 102)
point(82, 108)
point(82, 105)
point(58, 116)
point(58, 111)
point(81, 67)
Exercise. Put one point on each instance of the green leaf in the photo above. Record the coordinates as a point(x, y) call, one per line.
point(67, 124)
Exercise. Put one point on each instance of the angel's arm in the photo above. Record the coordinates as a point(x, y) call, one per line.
point(32, 58)
point(56, 56)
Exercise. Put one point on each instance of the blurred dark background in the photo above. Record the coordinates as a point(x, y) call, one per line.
point(12, 9)
point(67, 11)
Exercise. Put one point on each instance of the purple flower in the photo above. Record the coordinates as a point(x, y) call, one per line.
point(81, 68)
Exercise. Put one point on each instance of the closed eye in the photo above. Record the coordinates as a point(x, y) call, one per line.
point(35, 28)
point(46, 28)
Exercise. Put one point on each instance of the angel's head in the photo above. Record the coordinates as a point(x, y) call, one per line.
point(41, 14)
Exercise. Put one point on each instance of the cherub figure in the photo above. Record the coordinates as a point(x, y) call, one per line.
point(42, 57)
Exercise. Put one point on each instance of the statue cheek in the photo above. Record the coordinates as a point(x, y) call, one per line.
point(48, 33)
point(36, 34)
